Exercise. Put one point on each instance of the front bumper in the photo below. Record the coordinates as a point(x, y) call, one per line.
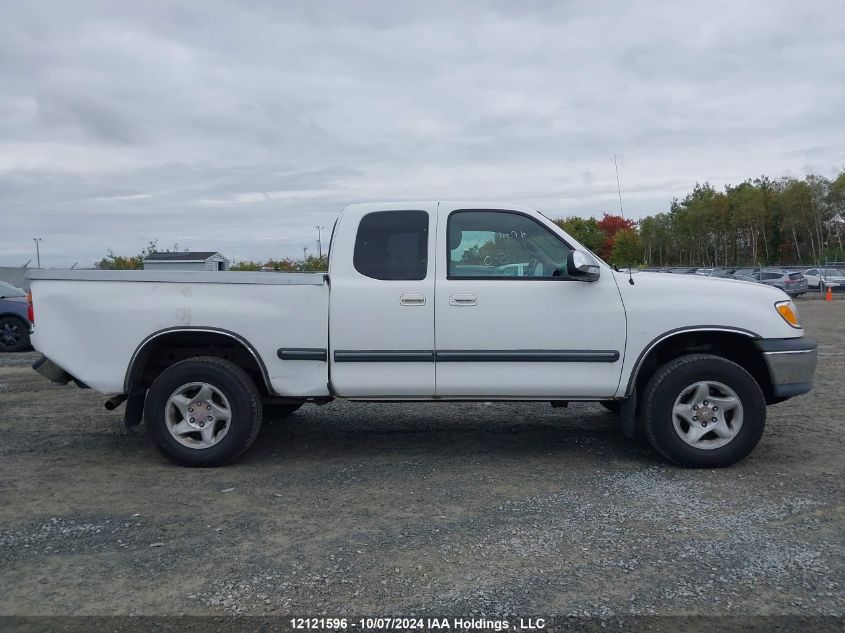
point(791, 362)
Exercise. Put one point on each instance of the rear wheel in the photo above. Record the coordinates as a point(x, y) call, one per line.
point(14, 334)
point(703, 411)
point(203, 411)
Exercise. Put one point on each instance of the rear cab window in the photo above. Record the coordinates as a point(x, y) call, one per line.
point(392, 245)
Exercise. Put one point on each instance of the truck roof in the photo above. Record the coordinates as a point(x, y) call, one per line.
point(416, 205)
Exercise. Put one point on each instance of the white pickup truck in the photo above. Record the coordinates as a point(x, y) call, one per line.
point(427, 301)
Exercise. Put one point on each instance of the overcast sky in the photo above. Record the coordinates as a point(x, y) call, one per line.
point(238, 127)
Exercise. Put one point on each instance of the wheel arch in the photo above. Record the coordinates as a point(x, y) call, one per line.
point(166, 347)
point(18, 316)
point(735, 344)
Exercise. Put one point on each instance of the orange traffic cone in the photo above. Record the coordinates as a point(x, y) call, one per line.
point(829, 295)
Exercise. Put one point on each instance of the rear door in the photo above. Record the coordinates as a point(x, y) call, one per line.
point(510, 323)
point(381, 314)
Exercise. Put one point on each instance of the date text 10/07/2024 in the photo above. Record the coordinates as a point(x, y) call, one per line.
point(419, 624)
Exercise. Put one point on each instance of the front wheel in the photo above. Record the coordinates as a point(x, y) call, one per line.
point(203, 411)
point(703, 411)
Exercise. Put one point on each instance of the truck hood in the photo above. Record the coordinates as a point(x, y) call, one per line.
point(678, 301)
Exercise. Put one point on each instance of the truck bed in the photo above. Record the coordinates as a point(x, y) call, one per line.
point(77, 312)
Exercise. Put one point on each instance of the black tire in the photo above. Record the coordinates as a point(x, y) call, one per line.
point(671, 380)
point(275, 412)
point(14, 334)
point(233, 382)
point(614, 406)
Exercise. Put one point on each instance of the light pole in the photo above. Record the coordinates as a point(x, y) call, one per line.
point(37, 250)
point(320, 229)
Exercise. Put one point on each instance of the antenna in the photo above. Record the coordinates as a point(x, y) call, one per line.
point(618, 188)
point(619, 192)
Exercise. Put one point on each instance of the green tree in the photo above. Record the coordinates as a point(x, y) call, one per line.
point(585, 230)
point(245, 266)
point(627, 248)
point(113, 261)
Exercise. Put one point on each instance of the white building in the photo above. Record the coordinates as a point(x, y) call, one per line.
point(189, 260)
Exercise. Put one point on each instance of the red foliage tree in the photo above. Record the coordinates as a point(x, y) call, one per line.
point(610, 225)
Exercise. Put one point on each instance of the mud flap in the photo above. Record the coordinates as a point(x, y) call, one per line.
point(134, 407)
point(627, 415)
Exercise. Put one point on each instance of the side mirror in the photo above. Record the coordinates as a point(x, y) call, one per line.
point(582, 266)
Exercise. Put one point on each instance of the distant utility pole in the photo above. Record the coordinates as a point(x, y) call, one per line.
point(320, 229)
point(37, 250)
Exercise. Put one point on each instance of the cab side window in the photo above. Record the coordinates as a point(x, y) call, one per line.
point(392, 245)
point(503, 245)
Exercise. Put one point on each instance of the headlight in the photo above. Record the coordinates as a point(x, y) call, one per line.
point(789, 312)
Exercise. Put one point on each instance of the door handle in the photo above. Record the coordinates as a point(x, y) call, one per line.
point(412, 300)
point(463, 300)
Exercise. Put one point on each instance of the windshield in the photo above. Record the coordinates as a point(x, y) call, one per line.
point(8, 290)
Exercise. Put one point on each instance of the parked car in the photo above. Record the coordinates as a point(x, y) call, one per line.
point(514, 270)
point(744, 272)
point(722, 273)
point(823, 278)
point(14, 323)
point(792, 282)
point(704, 271)
point(403, 314)
point(683, 270)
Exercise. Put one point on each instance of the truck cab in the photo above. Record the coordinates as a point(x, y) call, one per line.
point(428, 308)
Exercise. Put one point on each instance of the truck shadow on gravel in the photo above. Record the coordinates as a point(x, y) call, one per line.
point(589, 435)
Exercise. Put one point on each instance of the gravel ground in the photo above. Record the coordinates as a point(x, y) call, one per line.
point(351, 509)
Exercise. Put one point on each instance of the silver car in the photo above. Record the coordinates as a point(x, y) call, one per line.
point(791, 282)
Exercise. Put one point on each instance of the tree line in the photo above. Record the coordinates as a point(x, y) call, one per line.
point(312, 263)
point(761, 221)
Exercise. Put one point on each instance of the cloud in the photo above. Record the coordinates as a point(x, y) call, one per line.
point(239, 127)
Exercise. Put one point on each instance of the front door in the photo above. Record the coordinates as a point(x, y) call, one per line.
point(381, 315)
point(510, 323)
